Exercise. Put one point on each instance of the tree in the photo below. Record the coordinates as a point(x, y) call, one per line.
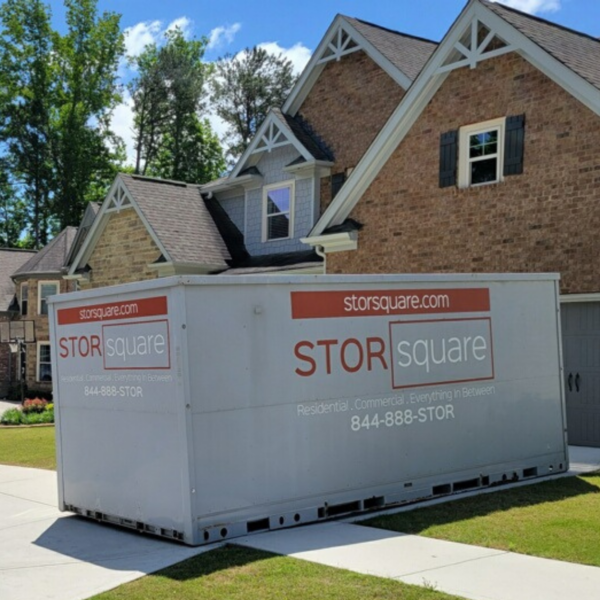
point(87, 58)
point(25, 101)
point(245, 87)
point(56, 98)
point(13, 213)
point(171, 138)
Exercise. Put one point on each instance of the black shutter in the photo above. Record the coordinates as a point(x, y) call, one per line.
point(448, 156)
point(337, 181)
point(514, 145)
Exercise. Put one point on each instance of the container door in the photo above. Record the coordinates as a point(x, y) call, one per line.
point(581, 354)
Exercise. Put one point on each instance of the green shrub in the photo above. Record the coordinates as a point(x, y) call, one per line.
point(50, 406)
point(37, 418)
point(13, 416)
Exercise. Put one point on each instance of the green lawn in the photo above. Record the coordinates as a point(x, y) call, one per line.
point(28, 447)
point(554, 519)
point(235, 573)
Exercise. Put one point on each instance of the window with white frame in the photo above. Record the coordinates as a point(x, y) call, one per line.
point(24, 298)
point(481, 153)
point(278, 211)
point(46, 289)
point(44, 363)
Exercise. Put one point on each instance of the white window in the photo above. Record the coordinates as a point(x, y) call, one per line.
point(278, 211)
point(44, 364)
point(481, 153)
point(46, 289)
point(24, 297)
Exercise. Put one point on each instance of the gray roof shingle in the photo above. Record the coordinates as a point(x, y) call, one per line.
point(177, 214)
point(578, 51)
point(407, 53)
point(52, 257)
point(10, 261)
point(306, 136)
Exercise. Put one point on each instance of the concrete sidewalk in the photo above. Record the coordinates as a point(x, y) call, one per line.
point(47, 554)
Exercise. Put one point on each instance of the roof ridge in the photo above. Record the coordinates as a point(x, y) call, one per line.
point(18, 250)
point(542, 20)
point(388, 29)
point(156, 180)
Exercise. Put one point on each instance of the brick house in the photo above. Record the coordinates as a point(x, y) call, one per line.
point(34, 281)
point(397, 154)
point(490, 163)
point(10, 261)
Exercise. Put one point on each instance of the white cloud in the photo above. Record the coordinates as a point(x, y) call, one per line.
point(186, 25)
point(532, 6)
point(140, 35)
point(122, 124)
point(221, 36)
point(298, 54)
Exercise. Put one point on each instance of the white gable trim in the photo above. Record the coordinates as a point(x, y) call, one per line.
point(425, 87)
point(272, 134)
point(117, 199)
point(330, 48)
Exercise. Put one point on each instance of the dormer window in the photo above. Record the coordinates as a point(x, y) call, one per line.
point(278, 211)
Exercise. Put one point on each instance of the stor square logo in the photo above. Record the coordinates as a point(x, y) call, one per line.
point(435, 352)
point(136, 345)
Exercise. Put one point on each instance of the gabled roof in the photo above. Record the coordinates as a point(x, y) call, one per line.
point(557, 52)
point(401, 56)
point(276, 131)
point(10, 261)
point(178, 216)
point(174, 215)
point(51, 259)
point(578, 51)
point(87, 220)
point(408, 53)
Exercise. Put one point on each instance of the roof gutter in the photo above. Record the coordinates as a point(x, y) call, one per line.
point(333, 242)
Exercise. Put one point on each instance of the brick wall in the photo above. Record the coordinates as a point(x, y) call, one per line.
point(123, 252)
point(348, 105)
point(42, 333)
point(544, 220)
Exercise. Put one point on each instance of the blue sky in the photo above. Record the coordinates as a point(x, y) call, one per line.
point(295, 28)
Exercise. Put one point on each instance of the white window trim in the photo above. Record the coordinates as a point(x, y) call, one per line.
point(463, 151)
point(37, 362)
point(275, 186)
point(23, 284)
point(56, 285)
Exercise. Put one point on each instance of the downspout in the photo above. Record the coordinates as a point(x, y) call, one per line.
point(320, 250)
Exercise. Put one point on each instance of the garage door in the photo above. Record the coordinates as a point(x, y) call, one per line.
point(581, 356)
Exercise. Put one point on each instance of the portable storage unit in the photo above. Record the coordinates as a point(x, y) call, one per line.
point(203, 408)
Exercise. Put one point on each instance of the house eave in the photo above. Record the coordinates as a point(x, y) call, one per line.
point(334, 242)
point(245, 181)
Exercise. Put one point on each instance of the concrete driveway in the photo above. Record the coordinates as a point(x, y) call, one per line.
point(47, 554)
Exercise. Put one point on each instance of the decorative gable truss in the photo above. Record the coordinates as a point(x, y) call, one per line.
point(273, 133)
point(477, 35)
point(341, 39)
point(341, 44)
point(118, 199)
point(478, 43)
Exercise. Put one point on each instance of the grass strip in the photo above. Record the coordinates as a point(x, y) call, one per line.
point(236, 573)
point(28, 447)
point(557, 519)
